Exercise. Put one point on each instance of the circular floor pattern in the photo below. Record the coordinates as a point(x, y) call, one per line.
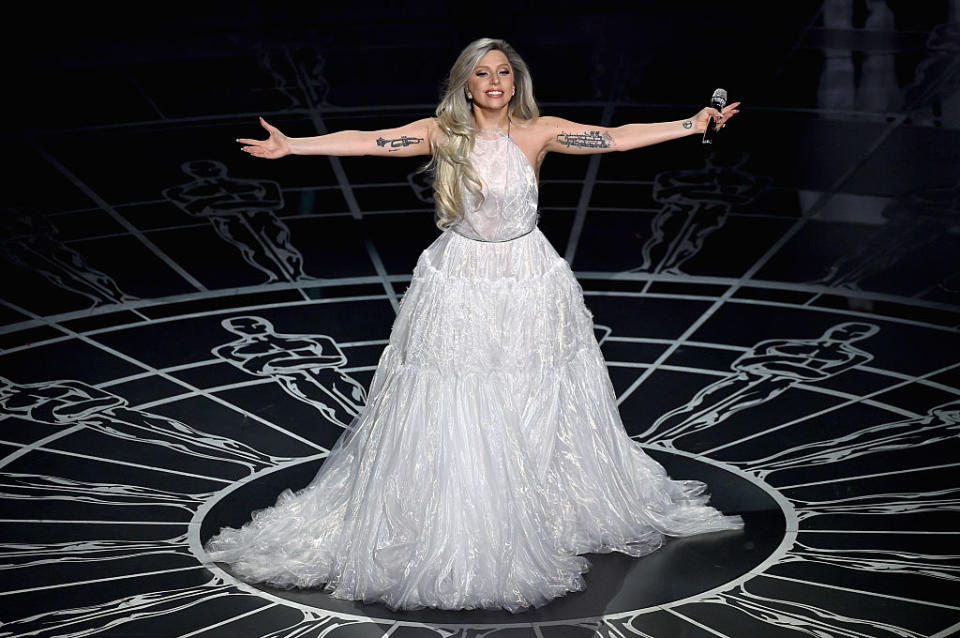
point(615, 583)
point(108, 467)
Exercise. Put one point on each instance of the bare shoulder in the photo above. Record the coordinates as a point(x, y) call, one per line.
point(549, 121)
point(548, 125)
point(542, 127)
point(433, 131)
point(535, 133)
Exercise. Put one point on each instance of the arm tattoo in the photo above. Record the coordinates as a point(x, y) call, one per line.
point(593, 139)
point(687, 124)
point(398, 143)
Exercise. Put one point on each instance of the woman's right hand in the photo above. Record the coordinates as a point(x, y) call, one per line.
point(274, 147)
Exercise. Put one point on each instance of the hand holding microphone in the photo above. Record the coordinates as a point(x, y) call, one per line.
point(717, 101)
point(714, 117)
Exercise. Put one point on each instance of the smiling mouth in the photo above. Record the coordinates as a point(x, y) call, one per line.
point(495, 93)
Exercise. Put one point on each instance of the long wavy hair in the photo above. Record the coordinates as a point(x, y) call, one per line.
point(450, 164)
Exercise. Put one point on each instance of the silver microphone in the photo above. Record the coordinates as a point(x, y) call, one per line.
point(718, 100)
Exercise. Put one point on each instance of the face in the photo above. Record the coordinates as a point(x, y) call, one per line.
point(491, 82)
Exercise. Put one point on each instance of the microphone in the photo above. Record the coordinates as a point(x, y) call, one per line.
point(718, 100)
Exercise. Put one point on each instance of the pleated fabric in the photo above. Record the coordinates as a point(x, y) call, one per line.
point(490, 453)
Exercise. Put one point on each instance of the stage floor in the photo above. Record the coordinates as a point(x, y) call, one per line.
point(135, 423)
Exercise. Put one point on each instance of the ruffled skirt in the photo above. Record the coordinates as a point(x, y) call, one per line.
point(490, 453)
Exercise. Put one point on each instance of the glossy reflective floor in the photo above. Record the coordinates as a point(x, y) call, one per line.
point(780, 313)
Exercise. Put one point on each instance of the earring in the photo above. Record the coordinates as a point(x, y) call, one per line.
point(469, 97)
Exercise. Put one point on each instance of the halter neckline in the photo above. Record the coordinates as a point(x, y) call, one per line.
point(495, 129)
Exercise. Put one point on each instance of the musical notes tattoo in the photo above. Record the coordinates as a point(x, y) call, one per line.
point(398, 143)
point(593, 139)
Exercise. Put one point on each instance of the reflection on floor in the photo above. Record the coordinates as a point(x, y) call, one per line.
point(780, 314)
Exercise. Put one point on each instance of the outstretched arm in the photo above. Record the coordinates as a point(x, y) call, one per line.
point(404, 141)
point(564, 136)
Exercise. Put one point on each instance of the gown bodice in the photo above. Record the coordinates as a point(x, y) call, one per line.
point(509, 184)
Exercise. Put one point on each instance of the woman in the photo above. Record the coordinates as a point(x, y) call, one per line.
point(490, 452)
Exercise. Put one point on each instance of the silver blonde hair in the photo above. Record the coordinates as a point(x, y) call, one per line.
point(450, 163)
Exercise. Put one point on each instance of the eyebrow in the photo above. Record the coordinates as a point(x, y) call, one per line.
point(484, 66)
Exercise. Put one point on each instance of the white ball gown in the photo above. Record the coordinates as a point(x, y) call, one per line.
point(490, 453)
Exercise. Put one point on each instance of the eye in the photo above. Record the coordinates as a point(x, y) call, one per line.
point(481, 73)
point(504, 71)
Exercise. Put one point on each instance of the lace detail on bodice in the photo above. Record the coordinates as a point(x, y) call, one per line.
point(509, 208)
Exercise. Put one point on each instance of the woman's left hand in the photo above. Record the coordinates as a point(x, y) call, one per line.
point(701, 119)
